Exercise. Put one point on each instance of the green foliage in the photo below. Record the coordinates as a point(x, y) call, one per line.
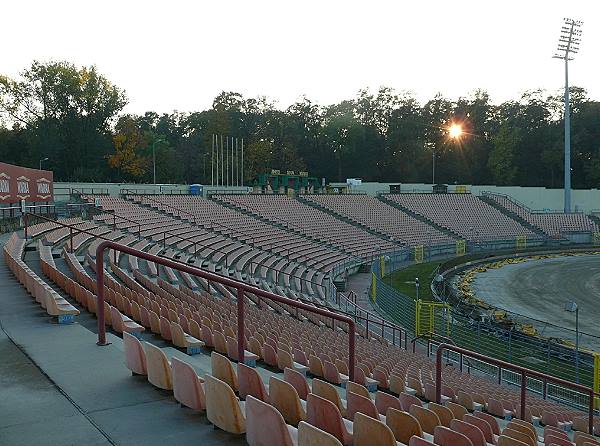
point(69, 114)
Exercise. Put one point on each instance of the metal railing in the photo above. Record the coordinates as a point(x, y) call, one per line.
point(241, 288)
point(524, 373)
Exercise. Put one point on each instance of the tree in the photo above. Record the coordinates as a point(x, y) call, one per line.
point(502, 157)
point(130, 141)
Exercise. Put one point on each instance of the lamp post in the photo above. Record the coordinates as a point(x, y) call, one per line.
point(43, 159)
point(568, 43)
point(573, 308)
point(156, 141)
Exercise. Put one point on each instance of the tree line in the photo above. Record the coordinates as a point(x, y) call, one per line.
point(74, 117)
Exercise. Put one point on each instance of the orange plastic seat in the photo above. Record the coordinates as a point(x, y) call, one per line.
point(444, 436)
point(329, 392)
point(159, 367)
point(444, 414)
point(357, 403)
point(403, 425)
point(418, 441)
point(188, 387)
point(358, 389)
point(407, 400)
point(135, 357)
point(250, 383)
point(458, 411)
point(223, 409)
point(473, 433)
point(283, 396)
point(223, 369)
point(491, 420)
point(483, 426)
point(368, 431)
point(266, 427)
point(427, 419)
point(309, 435)
point(182, 339)
point(326, 416)
point(297, 380)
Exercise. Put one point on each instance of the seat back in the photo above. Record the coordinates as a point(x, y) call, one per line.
point(396, 383)
point(315, 366)
point(331, 373)
point(368, 431)
point(466, 400)
point(445, 436)
point(309, 435)
point(260, 415)
point(359, 389)
point(468, 430)
point(418, 441)
point(558, 441)
point(444, 414)
point(297, 380)
point(458, 411)
point(222, 406)
point(427, 419)
point(284, 359)
point(284, 398)
point(383, 401)
point(493, 422)
point(407, 400)
point(325, 415)
point(403, 425)
point(135, 357)
point(504, 440)
point(329, 392)
point(223, 369)
point(523, 426)
point(159, 369)
point(250, 383)
point(187, 385)
point(483, 426)
point(518, 435)
point(357, 403)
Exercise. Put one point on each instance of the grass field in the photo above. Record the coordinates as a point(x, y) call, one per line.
point(404, 280)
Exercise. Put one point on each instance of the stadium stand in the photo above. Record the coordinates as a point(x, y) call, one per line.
point(199, 318)
point(464, 214)
point(378, 216)
point(554, 224)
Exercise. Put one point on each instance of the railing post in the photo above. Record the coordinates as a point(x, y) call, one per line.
point(114, 222)
point(523, 394)
point(164, 240)
point(139, 232)
point(367, 325)
point(100, 294)
point(438, 373)
point(26, 222)
point(240, 325)
point(351, 350)
point(71, 237)
point(544, 389)
point(591, 414)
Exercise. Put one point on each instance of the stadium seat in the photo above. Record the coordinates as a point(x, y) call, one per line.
point(458, 411)
point(493, 422)
point(406, 401)
point(159, 367)
point(368, 431)
point(403, 425)
point(504, 440)
point(551, 419)
point(297, 380)
point(188, 387)
point(444, 414)
point(383, 401)
point(466, 400)
point(223, 409)
point(359, 389)
point(250, 383)
point(325, 415)
point(135, 357)
point(283, 396)
point(427, 418)
point(473, 433)
point(418, 441)
point(444, 436)
point(184, 340)
point(223, 369)
point(309, 435)
point(357, 403)
point(329, 392)
point(266, 427)
point(518, 435)
point(483, 426)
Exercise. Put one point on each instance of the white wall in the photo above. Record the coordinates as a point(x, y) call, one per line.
point(536, 198)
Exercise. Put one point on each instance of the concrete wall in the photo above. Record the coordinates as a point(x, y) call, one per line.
point(62, 190)
point(536, 198)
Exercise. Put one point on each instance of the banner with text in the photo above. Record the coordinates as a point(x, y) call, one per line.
point(22, 183)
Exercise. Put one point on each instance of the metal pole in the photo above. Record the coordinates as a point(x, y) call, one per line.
point(567, 139)
point(212, 166)
point(577, 345)
point(222, 167)
point(523, 394)
point(240, 321)
point(154, 162)
point(232, 162)
point(242, 161)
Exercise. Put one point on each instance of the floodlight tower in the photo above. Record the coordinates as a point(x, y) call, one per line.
point(568, 44)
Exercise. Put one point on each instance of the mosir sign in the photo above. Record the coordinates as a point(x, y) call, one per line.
point(21, 183)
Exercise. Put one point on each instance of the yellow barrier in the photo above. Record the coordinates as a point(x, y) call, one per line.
point(419, 254)
point(597, 379)
point(521, 242)
point(373, 287)
point(426, 314)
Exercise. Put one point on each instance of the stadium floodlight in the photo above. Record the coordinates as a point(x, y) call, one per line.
point(568, 44)
point(43, 159)
point(572, 307)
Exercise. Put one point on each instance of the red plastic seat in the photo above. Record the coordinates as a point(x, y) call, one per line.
point(266, 427)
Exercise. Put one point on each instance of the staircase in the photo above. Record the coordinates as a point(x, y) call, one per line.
point(419, 217)
point(512, 215)
point(345, 219)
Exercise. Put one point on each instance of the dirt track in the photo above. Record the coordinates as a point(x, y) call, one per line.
point(540, 288)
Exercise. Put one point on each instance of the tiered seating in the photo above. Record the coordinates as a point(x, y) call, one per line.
point(552, 223)
point(312, 222)
point(376, 215)
point(464, 214)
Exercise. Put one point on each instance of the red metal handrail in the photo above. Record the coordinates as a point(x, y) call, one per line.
point(525, 372)
point(240, 286)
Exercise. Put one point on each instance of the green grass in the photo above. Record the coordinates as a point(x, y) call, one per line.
point(403, 280)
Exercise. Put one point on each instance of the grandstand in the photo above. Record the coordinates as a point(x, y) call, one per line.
point(200, 275)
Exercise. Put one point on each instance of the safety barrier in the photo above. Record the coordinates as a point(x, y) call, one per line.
point(241, 288)
point(524, 373)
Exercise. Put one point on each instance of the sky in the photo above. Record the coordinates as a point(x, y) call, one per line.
point(178, 55)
